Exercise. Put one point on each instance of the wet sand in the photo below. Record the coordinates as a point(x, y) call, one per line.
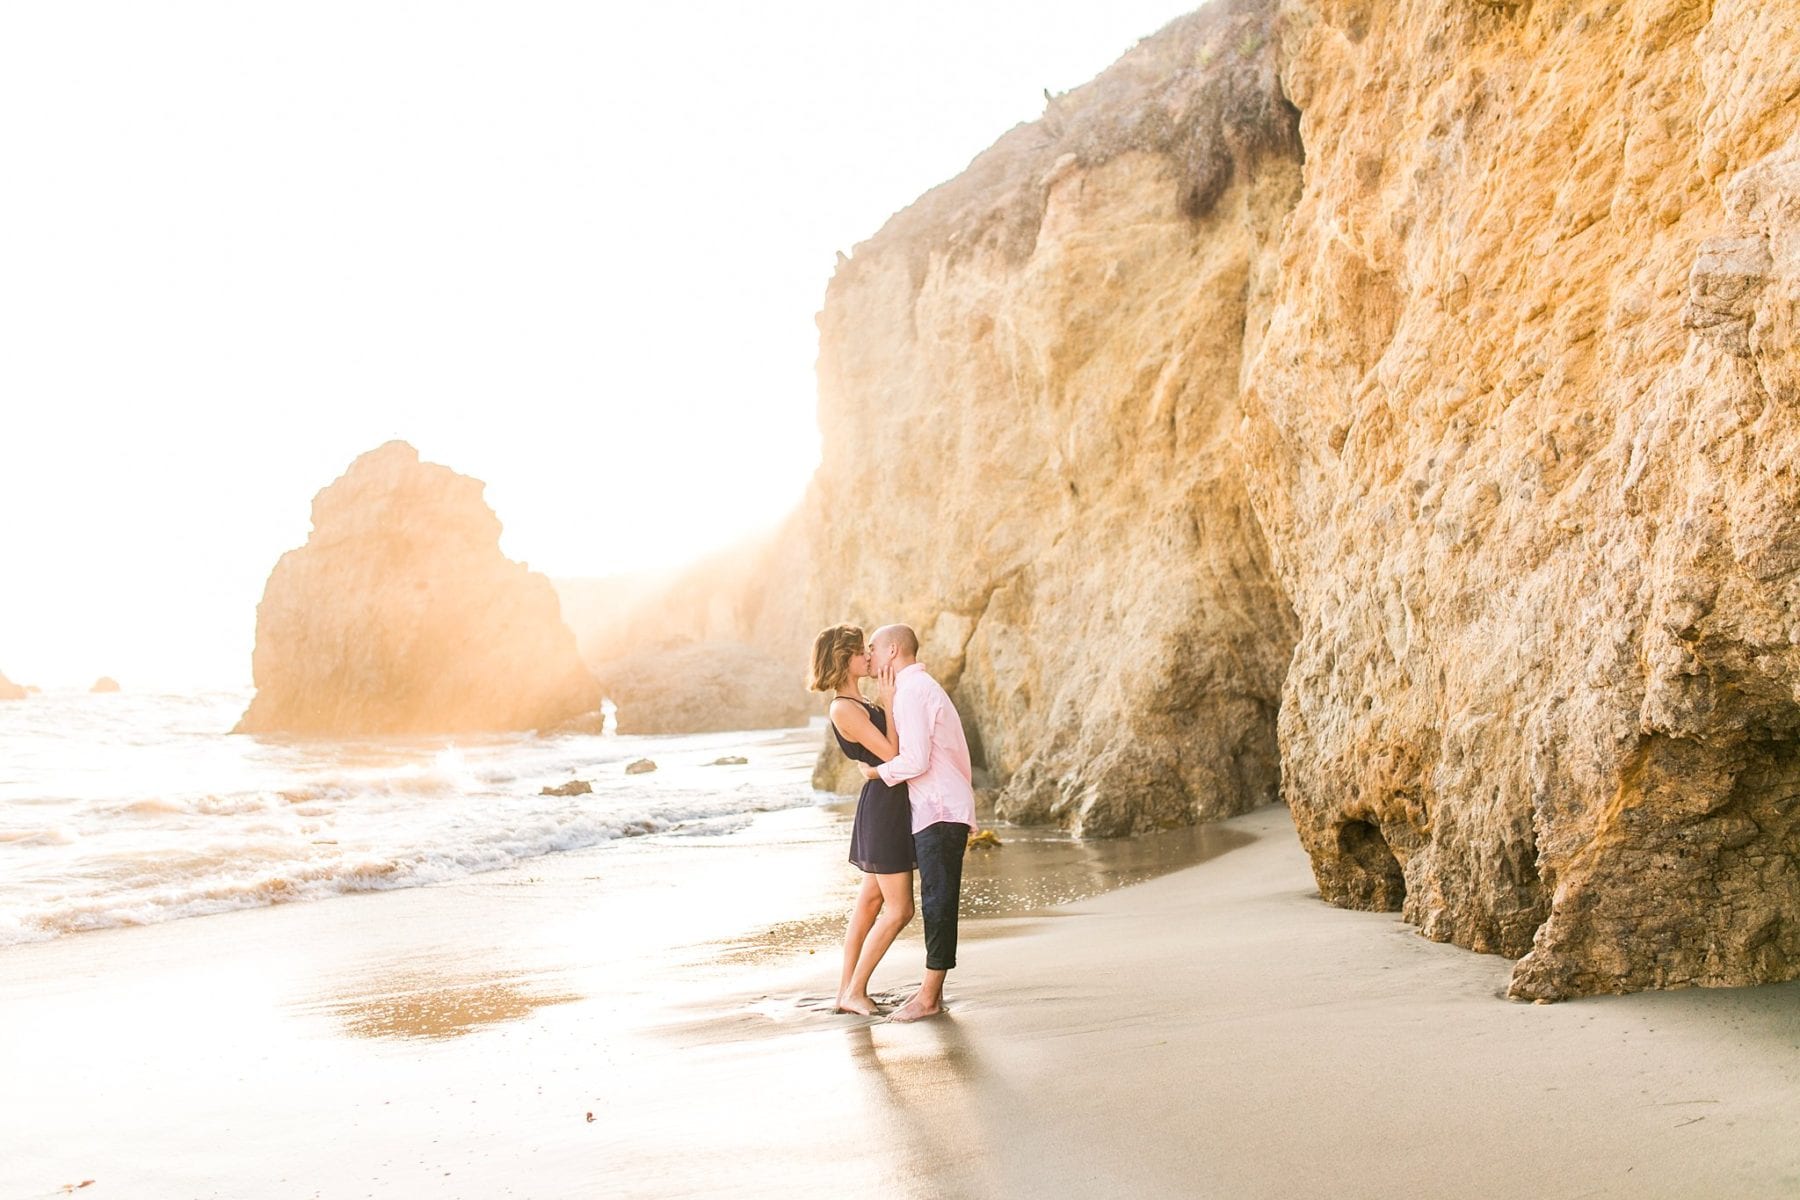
point(1215, 1031)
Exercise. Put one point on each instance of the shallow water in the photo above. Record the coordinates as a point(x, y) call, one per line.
point(131, 809)
point(1031, 871)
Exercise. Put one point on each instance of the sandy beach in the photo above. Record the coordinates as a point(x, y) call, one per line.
point(1216, 1031)
point(468, 460)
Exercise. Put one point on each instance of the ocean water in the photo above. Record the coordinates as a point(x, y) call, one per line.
point(129, 809)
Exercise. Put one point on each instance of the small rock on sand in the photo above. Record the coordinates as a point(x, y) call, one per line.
point(642, 766)
point(575, 787)
point(730, 760)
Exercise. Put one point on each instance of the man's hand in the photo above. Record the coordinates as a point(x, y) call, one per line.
point(868, 771)
point(884, 689)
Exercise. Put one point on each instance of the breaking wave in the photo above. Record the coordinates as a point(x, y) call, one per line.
point(170, 821)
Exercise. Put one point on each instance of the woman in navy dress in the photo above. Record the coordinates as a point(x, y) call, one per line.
point(881, 844)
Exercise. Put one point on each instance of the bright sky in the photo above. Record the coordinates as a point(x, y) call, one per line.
point(572, 249)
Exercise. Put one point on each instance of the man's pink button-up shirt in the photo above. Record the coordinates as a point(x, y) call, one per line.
point(934, 756)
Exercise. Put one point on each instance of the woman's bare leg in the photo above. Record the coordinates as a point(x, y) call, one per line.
point(896, 911)
point(862, 918)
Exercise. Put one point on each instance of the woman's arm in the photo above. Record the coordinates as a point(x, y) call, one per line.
point(852, 720)
point(884, 700)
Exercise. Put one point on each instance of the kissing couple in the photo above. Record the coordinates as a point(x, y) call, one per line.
point(917, 807)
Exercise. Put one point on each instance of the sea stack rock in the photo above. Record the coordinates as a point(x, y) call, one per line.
point(401, 615)
point(10, 690)
point(106, 683)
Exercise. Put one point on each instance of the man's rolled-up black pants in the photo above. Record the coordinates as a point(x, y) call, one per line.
point(938, 849)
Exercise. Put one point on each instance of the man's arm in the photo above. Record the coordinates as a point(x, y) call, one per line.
point(912, 715)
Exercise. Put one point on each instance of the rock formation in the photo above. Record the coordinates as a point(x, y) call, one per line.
point(1448, 480)
point(704, 688)
point(833, 772)
point(106, 683)
point(746, 604)
point(1059, 332)
point(10, 690)
point(401, 615)
point(1522, 437)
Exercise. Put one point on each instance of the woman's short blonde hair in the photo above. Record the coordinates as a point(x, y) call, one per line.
point(832, 651)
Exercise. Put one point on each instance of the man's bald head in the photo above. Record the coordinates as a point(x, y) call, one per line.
point(895, 643)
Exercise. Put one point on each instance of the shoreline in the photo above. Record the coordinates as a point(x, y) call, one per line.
point(1233, 1035)
point(1217, 1030)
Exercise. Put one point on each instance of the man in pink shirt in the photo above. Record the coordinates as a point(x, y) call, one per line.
point(934, 764)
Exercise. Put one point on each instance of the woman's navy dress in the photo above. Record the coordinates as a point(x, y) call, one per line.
point(881, 836)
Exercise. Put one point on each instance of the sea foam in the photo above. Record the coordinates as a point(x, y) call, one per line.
point(133, 810)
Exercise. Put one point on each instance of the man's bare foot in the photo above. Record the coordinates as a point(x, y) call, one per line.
point(861, 1005)
point(914, 1010)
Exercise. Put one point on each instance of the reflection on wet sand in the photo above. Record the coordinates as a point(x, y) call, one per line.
point(1034, 869)
point(924, 1068)
point(943, 1109)
point(436, 1006)
point(923, 1094)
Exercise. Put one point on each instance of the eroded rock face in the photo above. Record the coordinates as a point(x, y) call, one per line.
point(1451, 481)
point(10, 690)
point(1028, 387)
point(833, 771)
point(401, 615)
point(705, 688)
point(1521, 435)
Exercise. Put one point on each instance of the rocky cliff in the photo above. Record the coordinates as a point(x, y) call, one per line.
point(401, 615)
point(1522, 437)
point(1393, 404)
point(10, 690)
point(1028, 387)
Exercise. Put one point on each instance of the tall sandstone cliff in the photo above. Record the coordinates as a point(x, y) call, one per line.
point(401, 615)
point(1028, 388)
point(1393, 404)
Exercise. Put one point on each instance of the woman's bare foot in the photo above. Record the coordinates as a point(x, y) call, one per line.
point(861, 1005)
point(915, 1009)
